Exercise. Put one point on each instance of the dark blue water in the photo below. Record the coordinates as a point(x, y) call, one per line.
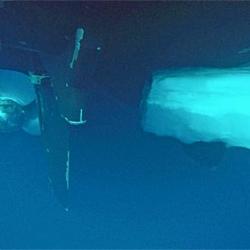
point(129, 189)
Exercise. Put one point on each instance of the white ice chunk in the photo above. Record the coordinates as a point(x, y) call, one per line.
point(200, 104)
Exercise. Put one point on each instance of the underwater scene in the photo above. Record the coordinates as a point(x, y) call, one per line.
point(124, 124)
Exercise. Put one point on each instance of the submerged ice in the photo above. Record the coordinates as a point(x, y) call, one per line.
point(202, 104)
